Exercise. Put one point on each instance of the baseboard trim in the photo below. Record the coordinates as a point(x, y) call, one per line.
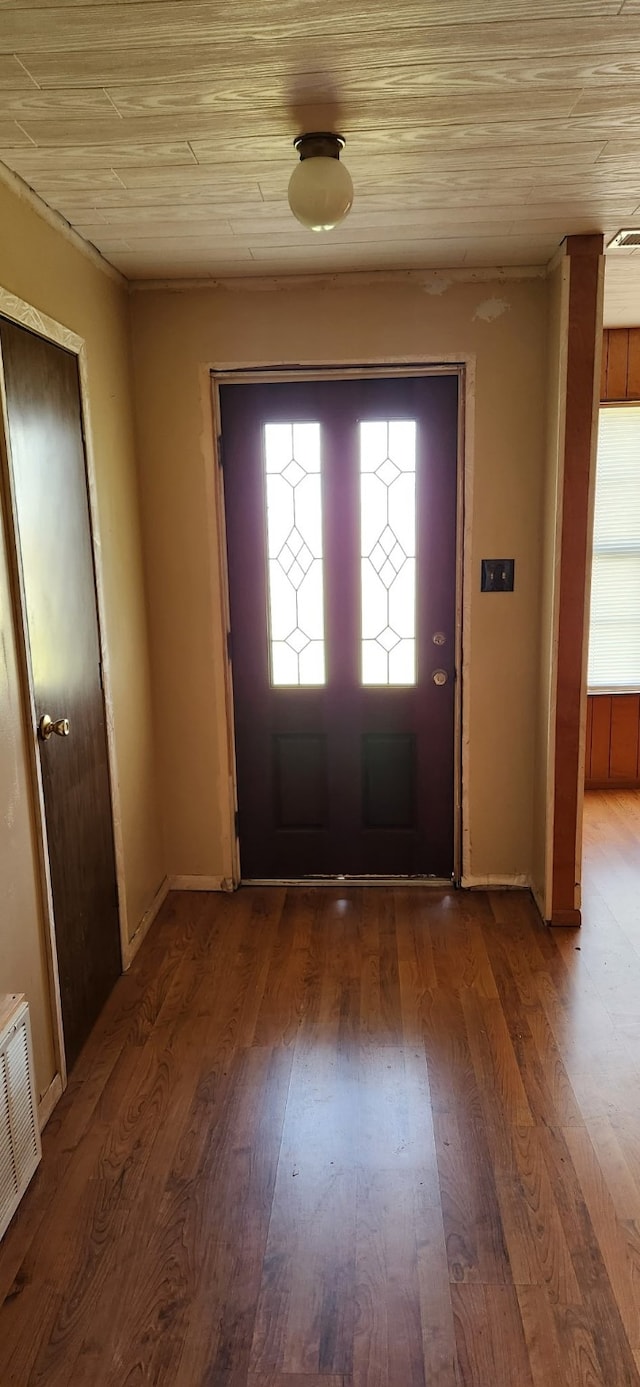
point(47, 1103)
point(200, 883)
point(612, 785)
point(146, 923)
point(566, 918)
point(496, 883)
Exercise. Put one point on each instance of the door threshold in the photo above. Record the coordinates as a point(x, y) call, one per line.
point(346, 880)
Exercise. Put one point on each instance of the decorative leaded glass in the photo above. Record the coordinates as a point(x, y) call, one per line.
point(388, 551)
point(294, 550)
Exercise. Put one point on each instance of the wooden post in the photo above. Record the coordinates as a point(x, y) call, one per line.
point(584, 345)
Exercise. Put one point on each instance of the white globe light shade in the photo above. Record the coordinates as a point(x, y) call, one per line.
point(320, 192)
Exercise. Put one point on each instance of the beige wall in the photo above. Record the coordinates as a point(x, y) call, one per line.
point(558, 326)
point(42, 267)
point(501, 327)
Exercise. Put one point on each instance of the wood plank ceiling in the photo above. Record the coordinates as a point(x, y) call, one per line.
point(479, 132)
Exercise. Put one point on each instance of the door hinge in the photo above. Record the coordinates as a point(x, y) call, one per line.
point(220, 451)
point(229, 647)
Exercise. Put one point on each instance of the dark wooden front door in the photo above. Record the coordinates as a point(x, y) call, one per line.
point(54, 537)
point(341, 525)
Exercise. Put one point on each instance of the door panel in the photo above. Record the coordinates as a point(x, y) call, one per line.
point(344, 743)
point(300, 779)
point(54, 536)
point(388, 766)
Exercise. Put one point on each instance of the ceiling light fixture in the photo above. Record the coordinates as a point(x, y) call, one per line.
point(320, 187)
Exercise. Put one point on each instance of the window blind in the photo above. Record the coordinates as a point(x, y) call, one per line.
point(614, 628)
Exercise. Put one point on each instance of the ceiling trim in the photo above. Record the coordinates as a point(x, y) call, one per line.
point(431, 281)
point(55, 219)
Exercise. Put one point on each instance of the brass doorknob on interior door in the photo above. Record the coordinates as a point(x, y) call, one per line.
point(440, 676)
point(47, 727)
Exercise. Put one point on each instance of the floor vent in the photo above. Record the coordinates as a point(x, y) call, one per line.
point(625, 240)
point(20, 1149)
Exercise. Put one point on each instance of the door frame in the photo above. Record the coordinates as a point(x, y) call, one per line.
point(16, 310)
point(463, 367)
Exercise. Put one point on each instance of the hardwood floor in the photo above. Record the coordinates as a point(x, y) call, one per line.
point(345, 1138)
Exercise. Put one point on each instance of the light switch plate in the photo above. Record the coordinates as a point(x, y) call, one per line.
point(497, 575)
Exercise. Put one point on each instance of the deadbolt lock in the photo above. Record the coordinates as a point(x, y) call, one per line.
point(47, 727)
point(440, 676)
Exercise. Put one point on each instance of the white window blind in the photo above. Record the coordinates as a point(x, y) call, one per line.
point(614, 632)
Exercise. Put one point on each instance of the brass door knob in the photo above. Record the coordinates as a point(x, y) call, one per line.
point(440, 677)
point(47, 727)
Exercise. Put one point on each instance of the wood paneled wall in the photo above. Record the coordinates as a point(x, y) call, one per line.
point(613, 720)
point(613, 741)
point(620, 364)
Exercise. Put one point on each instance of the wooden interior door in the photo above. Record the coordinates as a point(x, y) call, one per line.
point(341, 506)
point(47, 457)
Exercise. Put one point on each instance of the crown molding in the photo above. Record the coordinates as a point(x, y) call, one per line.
point(21, 190)
point(429, 281)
